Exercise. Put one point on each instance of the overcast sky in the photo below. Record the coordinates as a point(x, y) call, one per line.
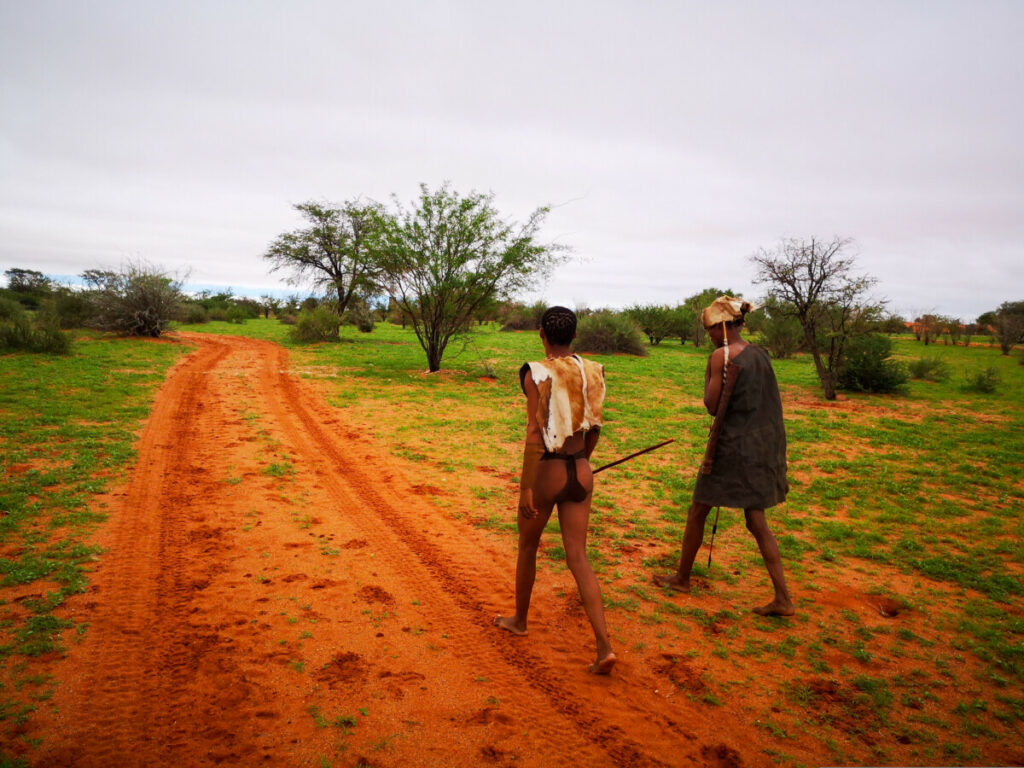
point(674, 139)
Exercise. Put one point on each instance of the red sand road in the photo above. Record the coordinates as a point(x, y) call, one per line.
point(268, 570)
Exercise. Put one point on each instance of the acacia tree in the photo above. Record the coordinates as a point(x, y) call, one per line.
point(659, 322)
point(448, 255)
point(332, 252)
point(814, 282)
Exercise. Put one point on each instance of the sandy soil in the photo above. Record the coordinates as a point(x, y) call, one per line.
point(268, 569)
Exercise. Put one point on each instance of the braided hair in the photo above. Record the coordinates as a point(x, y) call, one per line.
point(559, 324)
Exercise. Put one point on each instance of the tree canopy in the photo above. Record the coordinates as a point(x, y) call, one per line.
point(448, 255)
point(814, 281)
point(333, 251)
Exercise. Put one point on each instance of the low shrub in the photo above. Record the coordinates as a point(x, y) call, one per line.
point(519, 317)
point(606, 332)
point(869, 366)
point(9, 309)
point(218, 314)
point(236, 315)
point(929, 369)
point(985, 382)
point(140, 300)
point(42, 335)
point(361, 316)
point(781, 335)
point(320, 324)
point(287, 319)
point(195, 314)
point(73, 309)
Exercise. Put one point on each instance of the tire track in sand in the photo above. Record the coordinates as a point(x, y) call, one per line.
point(130, 686)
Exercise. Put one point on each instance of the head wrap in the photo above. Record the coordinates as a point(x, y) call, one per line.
point(725, 309)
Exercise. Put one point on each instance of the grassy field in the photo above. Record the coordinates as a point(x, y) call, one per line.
point(900, 504)
point(67, 427)
point(907, 505)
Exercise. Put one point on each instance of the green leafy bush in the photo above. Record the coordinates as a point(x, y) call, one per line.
point(41, 335)
point(320, 324)
point(606, 332)
point(781, 335)
point(73, 308)
point(236, 315)
point(869, 366)
point(929, 369)
point(9, 309)
point(361, 316)
point(195, 314)
point(986, 381)
point(287, 319)
point(218, 313)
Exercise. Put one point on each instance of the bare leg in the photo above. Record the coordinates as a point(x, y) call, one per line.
point(782, 604)
point(574, 518)
point(530, 531)
point(693, 537)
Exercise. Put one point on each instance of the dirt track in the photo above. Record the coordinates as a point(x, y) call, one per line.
point(267, 570)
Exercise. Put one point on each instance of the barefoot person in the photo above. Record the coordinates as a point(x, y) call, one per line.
point(749, 466)
point(564, 394)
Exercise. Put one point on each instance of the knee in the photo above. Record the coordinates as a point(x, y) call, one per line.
point(698, 513)
point(757, 526)
point(528, 545)
point(577, 561)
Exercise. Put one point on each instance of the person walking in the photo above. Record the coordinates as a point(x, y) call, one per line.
point(564, 395)
point(748, 468)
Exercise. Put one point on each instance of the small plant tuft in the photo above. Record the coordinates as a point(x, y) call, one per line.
point(985, 382)
point(928, 369)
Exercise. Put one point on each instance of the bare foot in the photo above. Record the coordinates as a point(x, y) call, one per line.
point(776, 608)
point(604, 666)
point(509, 623)
point(673, 581)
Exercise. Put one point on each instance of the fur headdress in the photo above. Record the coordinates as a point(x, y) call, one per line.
point(725, 309)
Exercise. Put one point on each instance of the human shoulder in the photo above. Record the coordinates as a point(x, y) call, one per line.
point(531, 373)
point(590, 365)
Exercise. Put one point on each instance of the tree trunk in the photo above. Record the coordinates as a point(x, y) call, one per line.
point(434, 358)
point(341, 299)
point(824, 375)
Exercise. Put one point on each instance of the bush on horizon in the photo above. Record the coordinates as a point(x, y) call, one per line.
point(320, 324)
point(41, 334)
point(605, 333)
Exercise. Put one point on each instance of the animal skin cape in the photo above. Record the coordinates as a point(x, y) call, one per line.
point(571, 394)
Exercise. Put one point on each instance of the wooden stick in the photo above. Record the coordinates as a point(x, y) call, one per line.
point(633, 455)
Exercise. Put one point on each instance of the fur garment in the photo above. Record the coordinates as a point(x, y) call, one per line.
point(571, 394)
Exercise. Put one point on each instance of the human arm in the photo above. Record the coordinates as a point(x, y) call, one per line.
point(533, 448)
point(713, 380)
